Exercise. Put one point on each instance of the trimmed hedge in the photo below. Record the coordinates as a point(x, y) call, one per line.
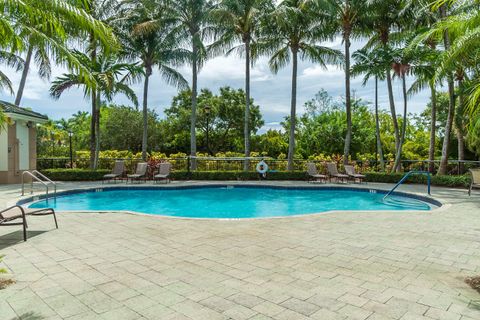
point(75, 174)
point(236, 175)
point(446, 181)
point(90, 175)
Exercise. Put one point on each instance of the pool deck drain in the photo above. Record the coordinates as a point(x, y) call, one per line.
point(345, 265)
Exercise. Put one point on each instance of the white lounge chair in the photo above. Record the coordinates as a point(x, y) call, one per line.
point(313, 174)
point(140, 173)
point(117, 172)
point(333, 173)
point(350, 171)
point(475, 183)
point(163, 172)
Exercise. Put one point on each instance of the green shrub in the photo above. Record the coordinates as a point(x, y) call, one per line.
point(75, 174)
point(446, 181)
point(236, 175)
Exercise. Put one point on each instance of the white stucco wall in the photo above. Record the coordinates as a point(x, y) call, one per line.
point(23, 146)
point(3, 150)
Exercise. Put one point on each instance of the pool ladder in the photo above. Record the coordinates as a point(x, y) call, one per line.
point(39, 177)
point(429, 179)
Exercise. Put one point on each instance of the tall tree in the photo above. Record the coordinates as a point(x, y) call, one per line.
point(371, 63)
point(38, 50)
point(240, 20)
point(347, 18)
point(43, 28)
point(105, 11)
point(401, 68)
point(294, 30)
point(451, 104)
point(194, 19)
point(154, 45)
point(110, 78)
point(385, 17)
point(425, 78)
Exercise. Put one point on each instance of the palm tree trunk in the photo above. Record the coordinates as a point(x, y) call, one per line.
point(93, 138)
point(97, 132)
point(348, 103)
point(460, 130)
point(148, 72)
point(377, 129)
point(23, 80)
point(392, 109)
point(247, 105)
point(293, 110)
point(431, 149)
point(193, 119)
point(397, 166)
point(451, 104)
point(92, 130)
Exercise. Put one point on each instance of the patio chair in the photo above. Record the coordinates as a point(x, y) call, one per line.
point(313, 174)
point(163, 172)
point(140, 173)
point(9, 215)
point(350, 171)
point(117, 172)
point(475, 183)
point(333, 173)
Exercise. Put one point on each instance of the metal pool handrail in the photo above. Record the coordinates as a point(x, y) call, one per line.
point(37, 176)
point(405, 178)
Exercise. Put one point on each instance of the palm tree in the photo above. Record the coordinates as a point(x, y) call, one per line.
point(38, 50)
point(13, 61)
point(107, 12)
point(153, 46)
point(110, 78)
point(461, 37)
point(425, 77)
point(28, 17)
point(194, 19)
point(240, 20)
point(371, 63)
point(294, 29)
point(348, 20)
point(386, 16)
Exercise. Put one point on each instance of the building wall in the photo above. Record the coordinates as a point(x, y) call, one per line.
point(17, 152)
point(3, 149)
point(23, 141)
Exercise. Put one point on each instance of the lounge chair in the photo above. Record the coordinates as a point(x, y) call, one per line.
point(350, 170)
point(140, 173)
point(475, 183)
point(9, 215)
point(163, 172)
point(117, 172)
point(333, 173)
point(313, 174)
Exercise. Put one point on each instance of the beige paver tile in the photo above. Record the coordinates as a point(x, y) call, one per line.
point(33, 306)
point(268, 308)
point(239, 312)
point(392, 266)
point(121, 313)
point(440, 314)
point(353, 312)
point(300, 306)
point(66, 305)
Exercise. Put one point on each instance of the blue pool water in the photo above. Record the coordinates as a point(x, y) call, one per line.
point(229, 202)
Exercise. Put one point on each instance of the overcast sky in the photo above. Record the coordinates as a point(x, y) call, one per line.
point(271, 92)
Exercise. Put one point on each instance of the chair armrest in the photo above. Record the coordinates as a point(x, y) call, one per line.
point(11, 208)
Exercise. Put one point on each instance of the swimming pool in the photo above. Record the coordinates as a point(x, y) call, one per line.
point(229, 201)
